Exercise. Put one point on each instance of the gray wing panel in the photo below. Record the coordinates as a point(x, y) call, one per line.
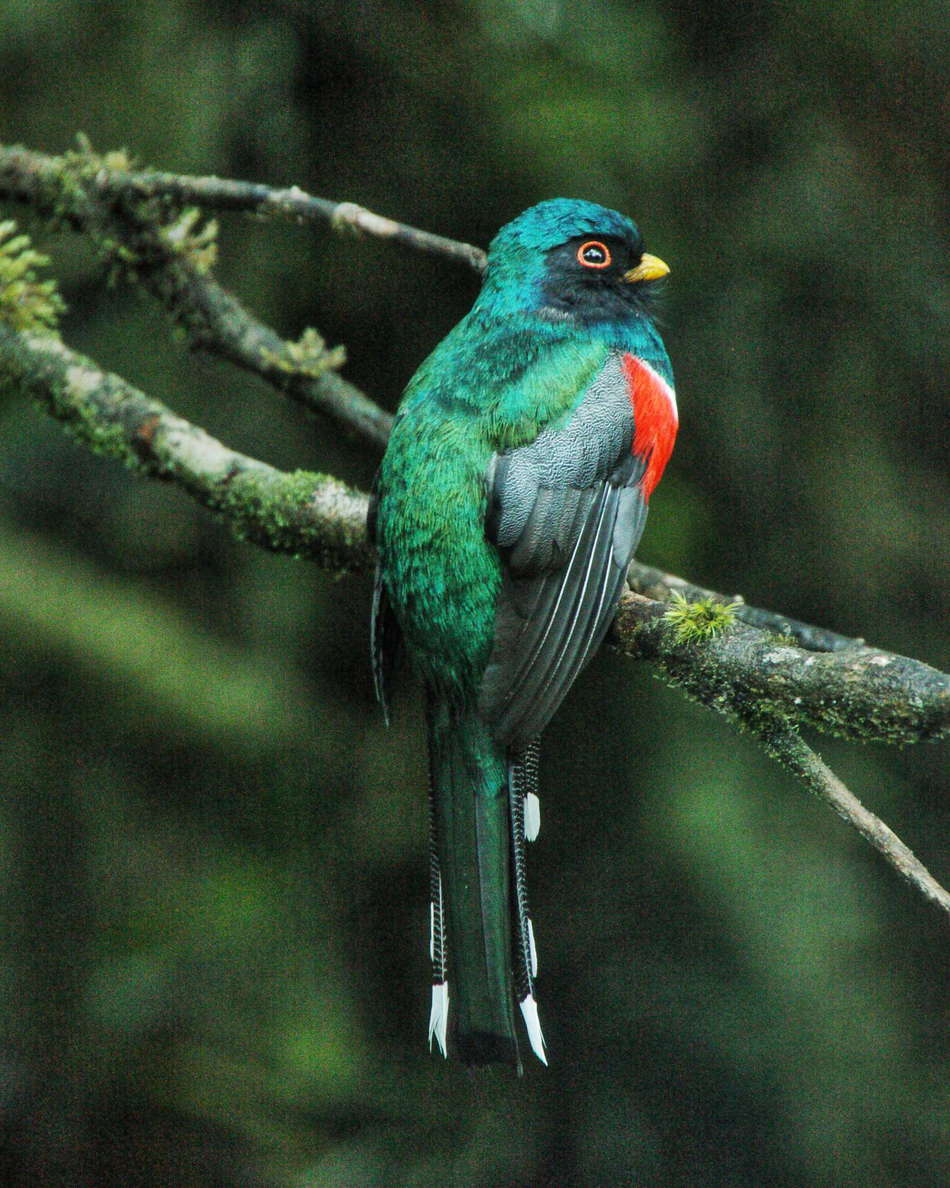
point(566, 514)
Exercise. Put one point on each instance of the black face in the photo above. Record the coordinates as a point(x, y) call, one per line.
point(584, 278)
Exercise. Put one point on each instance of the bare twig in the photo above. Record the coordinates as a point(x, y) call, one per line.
point(787, 747)
point(218, 193)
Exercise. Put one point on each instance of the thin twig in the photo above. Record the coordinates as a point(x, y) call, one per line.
point(227, 194)
point(218, 193)
point(787, 747)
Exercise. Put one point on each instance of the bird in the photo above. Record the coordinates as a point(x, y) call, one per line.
point(505, 512)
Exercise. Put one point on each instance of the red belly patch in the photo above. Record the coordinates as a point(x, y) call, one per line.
point(655, 419)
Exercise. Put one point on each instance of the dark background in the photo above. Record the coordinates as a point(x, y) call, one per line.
point(212, 854)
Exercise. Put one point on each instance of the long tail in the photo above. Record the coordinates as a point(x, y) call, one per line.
point(482, 945)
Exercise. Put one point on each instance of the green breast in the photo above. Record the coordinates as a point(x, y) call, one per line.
point(441, 573)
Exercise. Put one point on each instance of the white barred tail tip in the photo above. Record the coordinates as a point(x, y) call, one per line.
point(431, 931)
point(532, 948)
point(529, 1011)
point(439, 1016)
point(532, 816)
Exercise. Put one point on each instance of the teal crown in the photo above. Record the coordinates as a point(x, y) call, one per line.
point(516, 256)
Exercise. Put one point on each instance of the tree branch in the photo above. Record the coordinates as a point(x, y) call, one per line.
point(218, 193)
point(770, 690)
point(859, 693)
point(656, 584)
point(300, 513)
point(134, 232)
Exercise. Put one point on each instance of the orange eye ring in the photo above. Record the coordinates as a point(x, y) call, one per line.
point(594, 254)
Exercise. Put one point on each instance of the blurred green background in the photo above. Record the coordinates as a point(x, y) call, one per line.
point(212, 855)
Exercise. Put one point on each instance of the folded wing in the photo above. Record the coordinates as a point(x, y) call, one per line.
point(566, 512)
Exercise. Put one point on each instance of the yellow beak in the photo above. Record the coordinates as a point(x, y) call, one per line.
point(649, 268)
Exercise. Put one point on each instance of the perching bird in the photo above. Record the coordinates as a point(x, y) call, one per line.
point(508, 505)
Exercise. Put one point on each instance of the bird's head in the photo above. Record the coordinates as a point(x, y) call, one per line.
point(566, 258)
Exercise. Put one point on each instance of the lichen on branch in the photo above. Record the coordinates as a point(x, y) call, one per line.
point(148, 235)
point(26, 302)
point(304, 514)
point(861, 693)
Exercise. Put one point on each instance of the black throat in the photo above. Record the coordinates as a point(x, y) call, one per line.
point(571, 291)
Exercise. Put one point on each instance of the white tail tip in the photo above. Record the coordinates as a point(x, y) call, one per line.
point(533, 948)
point(431, 931)
point(439, 1016)
point(532, 816)
point(529, 1010)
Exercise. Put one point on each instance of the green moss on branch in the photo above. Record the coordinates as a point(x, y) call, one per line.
point(26, 302)
point(860, 693)
point(304, 514)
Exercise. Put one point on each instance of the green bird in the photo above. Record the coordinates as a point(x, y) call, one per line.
point(507, 508)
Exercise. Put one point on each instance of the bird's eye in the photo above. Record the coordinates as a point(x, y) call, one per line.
point(594, 254)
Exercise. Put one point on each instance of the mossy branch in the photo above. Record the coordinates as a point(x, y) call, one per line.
point(116, 179)
point(860, 693)
point(305, 514)
point(771, 689)
point(667, 587)
point(153, 237)
point(26, 302)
